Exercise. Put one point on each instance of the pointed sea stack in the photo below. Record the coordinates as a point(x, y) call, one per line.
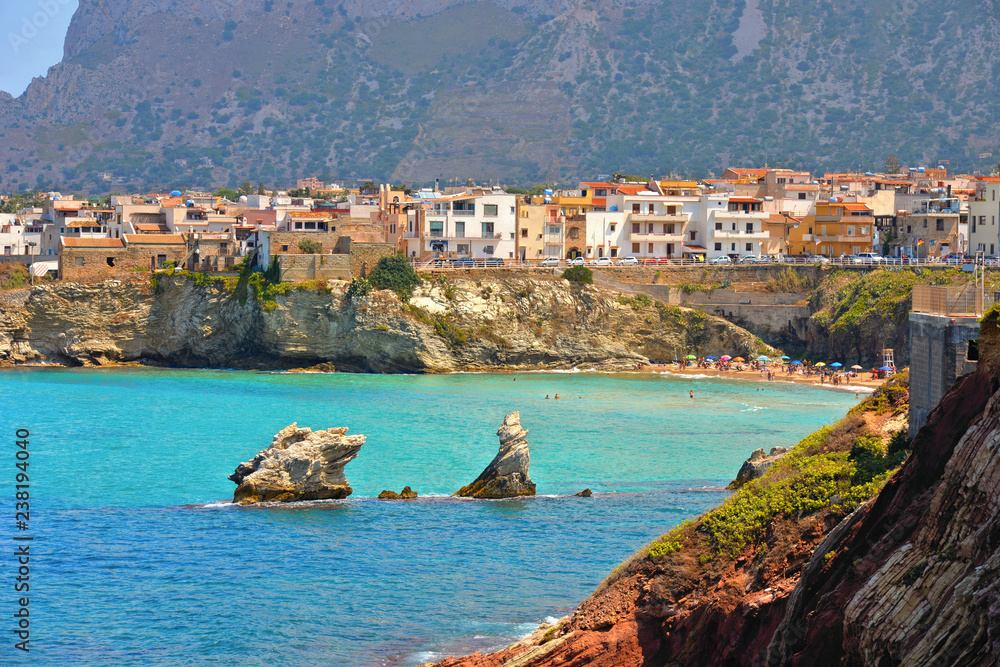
point(507, 475)
point(300, 464)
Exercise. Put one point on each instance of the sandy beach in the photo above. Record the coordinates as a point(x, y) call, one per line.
point(861, 382)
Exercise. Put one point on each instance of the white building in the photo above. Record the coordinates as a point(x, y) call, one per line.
point(732, 226)
point(984, 217)
point(656, 225)
point(464, 225)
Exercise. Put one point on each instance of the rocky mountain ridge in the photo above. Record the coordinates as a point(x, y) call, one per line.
point(201, 94)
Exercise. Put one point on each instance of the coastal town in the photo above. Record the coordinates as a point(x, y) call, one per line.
point(747, 215)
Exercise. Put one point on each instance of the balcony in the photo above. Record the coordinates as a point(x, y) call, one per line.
point(553, 238)
point(738, 234)
point(847, 219)
point(463, 211)
point(656, 236)
point(844, 238)
point(656, 217)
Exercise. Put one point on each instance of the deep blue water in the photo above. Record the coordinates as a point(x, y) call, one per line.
point(138, 559)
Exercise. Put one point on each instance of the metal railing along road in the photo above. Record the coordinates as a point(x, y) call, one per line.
point(447, 263)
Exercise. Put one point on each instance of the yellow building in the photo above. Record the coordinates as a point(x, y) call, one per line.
point(539, 230)
point(837, 228)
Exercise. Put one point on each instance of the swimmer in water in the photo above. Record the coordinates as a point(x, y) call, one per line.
point(557, 397)
point(692, 393)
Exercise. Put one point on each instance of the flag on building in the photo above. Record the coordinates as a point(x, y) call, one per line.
point(920, 242)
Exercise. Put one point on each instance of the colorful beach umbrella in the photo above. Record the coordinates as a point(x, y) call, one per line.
point(820, 364)
point(712, 358)
point(785, 358)
point(885, 368)
point(726, 357)
point(763, 358)
point(836, 364)
point(796, 363)
point(690, 356)
point(739, 359)
point(856, 367)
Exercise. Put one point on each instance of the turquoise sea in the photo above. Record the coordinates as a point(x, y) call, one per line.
point(138, 559)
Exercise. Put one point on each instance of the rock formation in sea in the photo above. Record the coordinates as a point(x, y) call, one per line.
point(757, 465)
point(797, 569)
point(300, 464)
point(586, 493)
point(406, 494)
point(507, 475)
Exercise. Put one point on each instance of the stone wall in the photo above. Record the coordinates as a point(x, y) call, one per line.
point(314, 267)
point(364, 256)
point(287, 243)
point(939, 349)
point(82, 263)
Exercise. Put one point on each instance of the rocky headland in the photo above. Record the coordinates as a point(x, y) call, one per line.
point(488, 322)
point(755, 466)
point(507, 474)
point(858, 547)
point(300, 464)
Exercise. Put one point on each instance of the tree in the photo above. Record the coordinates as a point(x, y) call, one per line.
point(395, 273)
point(310, 247)
point(579, 274)
point(891, 165)
point(260, 189)
point(226, 193)
point(246, 188)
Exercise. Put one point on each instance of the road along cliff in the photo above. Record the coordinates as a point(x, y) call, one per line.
point(489, 322)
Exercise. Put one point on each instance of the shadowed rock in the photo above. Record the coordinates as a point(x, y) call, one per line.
point(405, 494)
point(757, 465)
point(507, 475)
point(300, 464)
point(586, 493)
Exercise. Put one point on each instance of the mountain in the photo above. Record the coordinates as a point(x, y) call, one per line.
point(205, 93)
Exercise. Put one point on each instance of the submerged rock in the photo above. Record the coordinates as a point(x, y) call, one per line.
point(586, 493)
point(757, 465)
point(300, 464)
point(406, 494)
point(507, 475)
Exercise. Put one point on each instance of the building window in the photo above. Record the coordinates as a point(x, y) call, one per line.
point(635, 228)
point(487, 229)
point(650, 249)
point(614, 252)
point(635, 248)
point(635, 208)
point(749, 228)
point(802, 195)
point(284, 248)
point(437, 228)
point(670, 229)
point(488, 249)
point(732, 247)
point(694, 235)
point(718, 226)
point(78, 261)
point(718, 246)
point(524, 233)
point(651, 209)
point(574, 233)
point(908, 229)
point(939, 224)
point(489, 209)
point(749, 247)
point(612, 227)
point(460, 229)
point(462, 248)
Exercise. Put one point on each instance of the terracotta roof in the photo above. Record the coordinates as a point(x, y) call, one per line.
point(749, 172)
point(746, 200)
point(989, 179)
point(856, 207)
point(630, 189)
point(776, 217)
point(83, 222)
point(695, 248)
point(151, 228)
point(71, 242)
point(307, 214)
point(597, 185)
point(68, 205)
point(154, 239)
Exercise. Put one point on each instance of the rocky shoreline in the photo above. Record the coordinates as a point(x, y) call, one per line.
point(494, 323)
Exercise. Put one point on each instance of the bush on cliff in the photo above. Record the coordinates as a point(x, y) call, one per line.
point(359, 287)
point(395, 273)
point(579, 274)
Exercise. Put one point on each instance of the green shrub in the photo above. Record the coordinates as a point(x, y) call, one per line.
point(395, 273)
point(579, 274)
point(359, 287)
point(869, 456)
point(899, 442)
point(637, 302)
point(310, 247)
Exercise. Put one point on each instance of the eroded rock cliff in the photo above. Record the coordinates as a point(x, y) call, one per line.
point(488, 322)
point(507, 475)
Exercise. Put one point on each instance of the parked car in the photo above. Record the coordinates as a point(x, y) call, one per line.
point(493, 261)
point(750, 259)
point(627, 261)
point(870, 258)
point(549, 261)
point(956, 258)
point(577, 261)
point(850, 259)
point(721, 259)
point(464, 263)
point(820, 259)
point(601, 261)
point(655, 261)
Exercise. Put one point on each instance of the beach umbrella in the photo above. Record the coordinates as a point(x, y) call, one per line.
point(821, 364)
point(885, 368)
point(726, 357)
point(739, 359)
point(836, 364)
point(785, 358)
point(796, 363)
point(763, 358)
point(690, 356)
point(857, 368)
point(712, 358)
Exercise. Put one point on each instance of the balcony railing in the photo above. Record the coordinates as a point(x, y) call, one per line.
point(462, 211)
point(656, 217)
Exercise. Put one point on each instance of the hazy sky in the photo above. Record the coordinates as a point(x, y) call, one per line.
point(31, 39)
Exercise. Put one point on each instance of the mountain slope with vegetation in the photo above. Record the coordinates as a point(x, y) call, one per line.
point(206, 93)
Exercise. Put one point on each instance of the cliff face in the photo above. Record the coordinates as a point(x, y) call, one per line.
point(908, 578)
point(487, 323)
